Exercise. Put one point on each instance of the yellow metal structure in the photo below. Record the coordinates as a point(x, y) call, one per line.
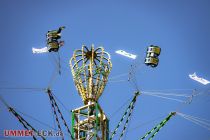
point(90, 70)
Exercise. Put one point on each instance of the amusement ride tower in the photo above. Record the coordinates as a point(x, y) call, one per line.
point(90, 69)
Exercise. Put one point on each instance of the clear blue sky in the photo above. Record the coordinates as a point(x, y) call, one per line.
point(180, 28)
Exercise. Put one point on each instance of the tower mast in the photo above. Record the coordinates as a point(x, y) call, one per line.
point(90, 70)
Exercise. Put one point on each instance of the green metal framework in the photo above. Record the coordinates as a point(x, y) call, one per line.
point(90, 122)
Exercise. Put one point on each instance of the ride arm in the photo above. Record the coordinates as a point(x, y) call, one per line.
point(126, 112)
point(25, 124)
point(157, 128)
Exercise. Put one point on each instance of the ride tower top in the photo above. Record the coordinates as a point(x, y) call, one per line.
point(90, 69)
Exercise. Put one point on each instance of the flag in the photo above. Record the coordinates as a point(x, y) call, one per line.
point(199, 79)
point(42, 50)
point(126, 54)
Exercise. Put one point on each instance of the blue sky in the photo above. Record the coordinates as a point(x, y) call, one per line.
point(180, 28)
